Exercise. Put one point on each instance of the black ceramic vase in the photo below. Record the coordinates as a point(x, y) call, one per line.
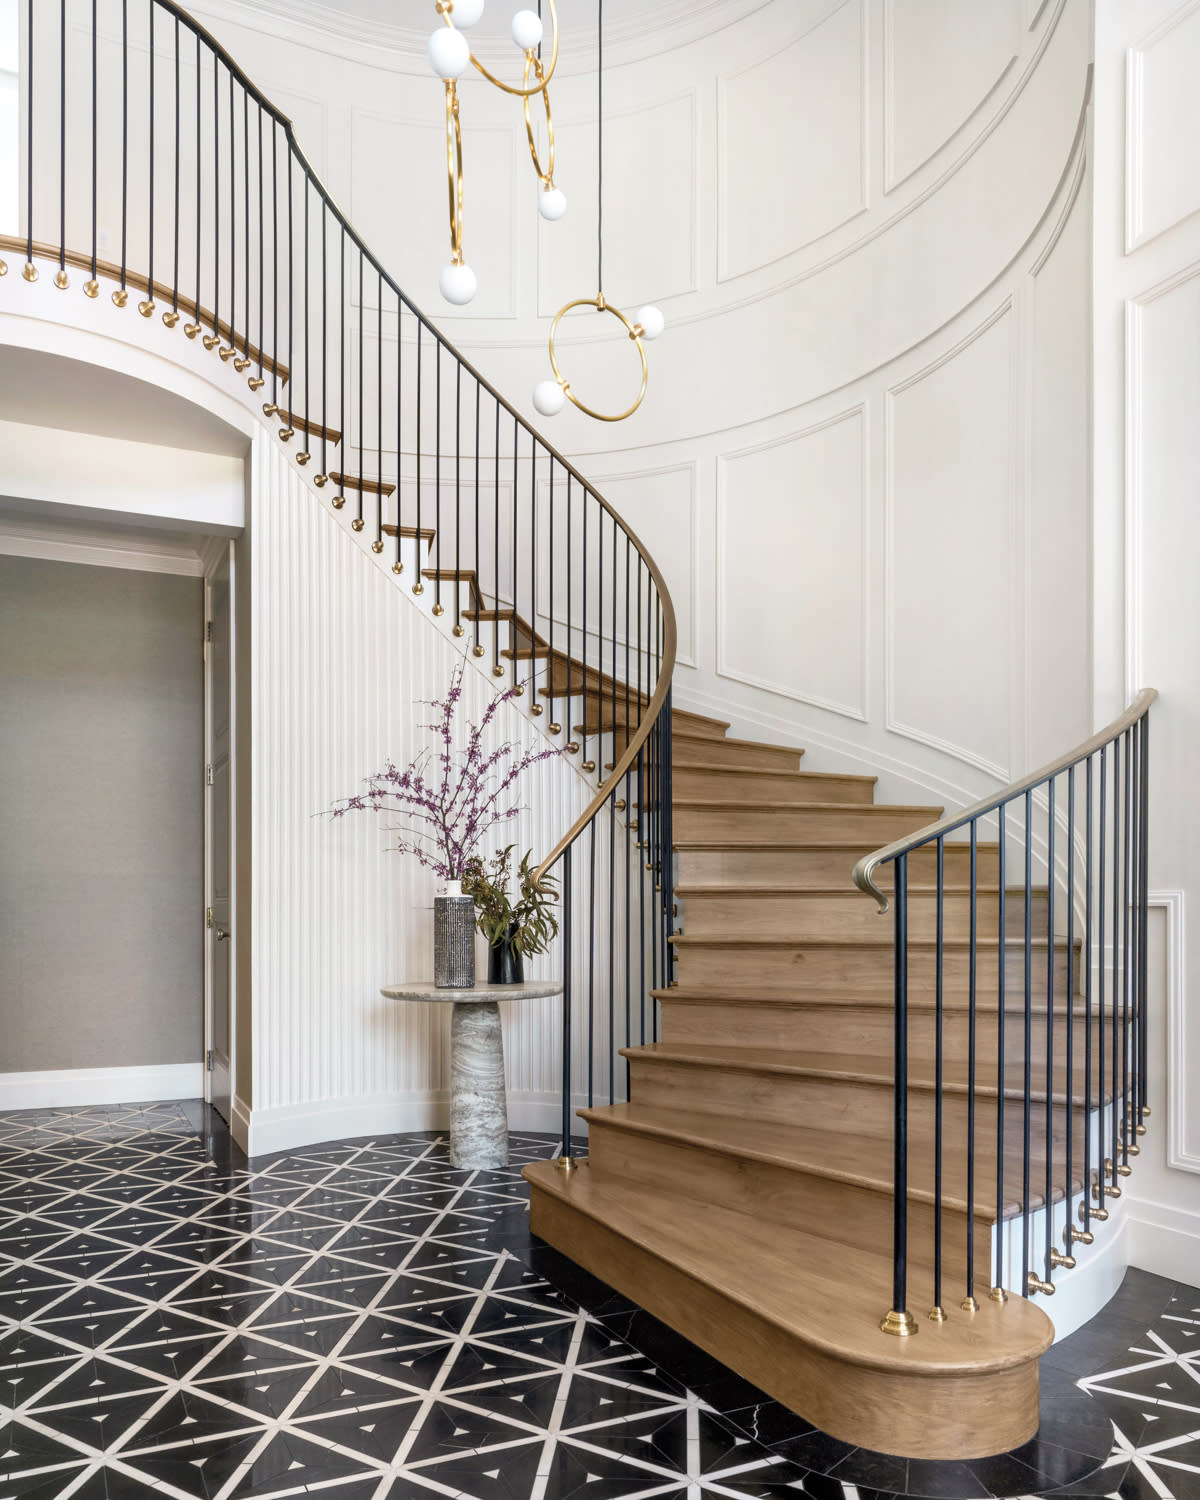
point(505, 964)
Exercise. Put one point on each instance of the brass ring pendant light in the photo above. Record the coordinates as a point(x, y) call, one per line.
point(449, 56)
point(549, 396)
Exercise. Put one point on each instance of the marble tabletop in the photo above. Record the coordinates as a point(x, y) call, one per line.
point(478, 994)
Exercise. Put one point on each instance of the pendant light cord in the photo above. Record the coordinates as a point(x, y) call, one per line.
point(600, 150)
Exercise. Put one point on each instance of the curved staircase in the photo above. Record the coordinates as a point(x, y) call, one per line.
point(825, 1118)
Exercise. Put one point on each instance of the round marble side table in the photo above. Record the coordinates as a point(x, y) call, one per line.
point(478, 1102)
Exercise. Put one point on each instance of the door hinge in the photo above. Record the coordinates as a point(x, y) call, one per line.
point(210, 920)
point(208, 1061)
point(208, 774)
point(208, 631)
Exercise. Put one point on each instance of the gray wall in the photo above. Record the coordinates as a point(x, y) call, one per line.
point(101, 817)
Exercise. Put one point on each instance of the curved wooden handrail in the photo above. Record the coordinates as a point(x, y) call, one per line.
point(865, 869)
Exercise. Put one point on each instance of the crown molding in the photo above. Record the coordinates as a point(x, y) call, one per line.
point(401, 49)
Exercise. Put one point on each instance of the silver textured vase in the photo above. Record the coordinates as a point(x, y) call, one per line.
point(453, 942)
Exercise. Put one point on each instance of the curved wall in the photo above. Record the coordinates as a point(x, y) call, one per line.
point(863, 458)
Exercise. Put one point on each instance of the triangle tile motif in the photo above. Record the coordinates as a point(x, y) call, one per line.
point(349, 1321)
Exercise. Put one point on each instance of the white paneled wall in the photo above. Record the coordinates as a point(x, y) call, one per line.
point(1146, 455)
point(343, 658)
point(862, 460)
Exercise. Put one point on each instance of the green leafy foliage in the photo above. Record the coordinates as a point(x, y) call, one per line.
point(529, 921)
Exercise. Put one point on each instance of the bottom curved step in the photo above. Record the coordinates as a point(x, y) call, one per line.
point(800, 1319)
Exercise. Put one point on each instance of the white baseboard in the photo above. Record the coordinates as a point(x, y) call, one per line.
point(1165, 1240)
point(290, 1127)
point(65, 1087)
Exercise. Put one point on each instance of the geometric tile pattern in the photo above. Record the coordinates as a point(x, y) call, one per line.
point(352, 1321)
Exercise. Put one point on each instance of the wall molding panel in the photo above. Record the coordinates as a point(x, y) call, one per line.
point(776, 588)
point(932, 573)
point(1182, 1109)
point(1162, 124)
point(759, 90)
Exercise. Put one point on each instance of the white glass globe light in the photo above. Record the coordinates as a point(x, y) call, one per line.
point(465, 13)
point(527, 29)
point(458, 284)
point(652, 321)
point(552, 203)
point(449, 53)
point(549, 398)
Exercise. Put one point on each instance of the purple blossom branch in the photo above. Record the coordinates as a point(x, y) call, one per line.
point(458, 796)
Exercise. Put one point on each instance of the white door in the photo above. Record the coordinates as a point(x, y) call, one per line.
point(219, 935)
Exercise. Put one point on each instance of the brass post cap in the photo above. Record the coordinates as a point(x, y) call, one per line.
point(256, 382)
point(419, 588)
point(1079, 1236)
point(170, 317)
point(478, 651)
point(357, 523)
point(61, 280)
point(1145, 1111)
point(120, 297)
point(1036, 1284)
point(571, 747)
point(458, 631)
point(191, 329)
point(147, 309)
point(377, 547)
point(210, 341)
point(338, 501)
point(902, 1324)
point(3, 268)
point(1101, 1214)
point(320, 480)
point(286, 434)
point(998, 1294)
point(588, 766)
point(397, 567)
point(567, 1163)
point(937, 1315)
point(537, 710)
point(497, 671)
point(91, 288)
point(30, 271)
point(439, 608)
point(554, 728)
point(226, 355)
point(1067, 1262)
point(969, 1305)
point(303, 458)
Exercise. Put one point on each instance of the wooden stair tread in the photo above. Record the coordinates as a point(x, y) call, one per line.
point(983, 943)
point(714, 767)
point(751, 846)
point(839, 1155)
point(700, 739)
point(922, 1001)
point(849, 1067)
point(782, 888)
point(425, 534)
point(879, 808)
point(361, 485)
point(791, 1280)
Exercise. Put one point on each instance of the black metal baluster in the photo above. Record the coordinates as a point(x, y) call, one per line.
point(192, 329)
point(418, 587)
point(61, 279)
point(437, 480)
point(211, 340)
point(258, 381)
point(477, 594)
point(30, 272)
point(1115, 978)
point(612, 943)
point(998, 1292)
point(1126, 906)
point(592, 962)
point(969, 1303)
point(1089, 966)
point(93, 286)
point(1100, 1189)
point(1051, 958)
point(232, 223)
point(324, 474)
point(936, 1313)
point(552, 665)
point(171, 317)
point(1134, 904)
point(458, 500)
point(1028, 1061)
point(899, 1320)
point(290, 426)
point(244, 363)
point(377, 545)
point(361, 478)
point(121, 295)
point(567, 1157)
point(1072, 980)
point(1143, 1108)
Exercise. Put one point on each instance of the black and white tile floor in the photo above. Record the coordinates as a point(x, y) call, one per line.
point(359, 1320)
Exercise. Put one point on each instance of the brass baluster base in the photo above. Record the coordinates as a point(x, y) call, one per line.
point(902, 1324)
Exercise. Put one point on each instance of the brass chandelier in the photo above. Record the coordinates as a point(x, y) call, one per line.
point(450, 56)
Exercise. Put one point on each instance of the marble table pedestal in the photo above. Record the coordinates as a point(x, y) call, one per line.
point(478, 1099)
